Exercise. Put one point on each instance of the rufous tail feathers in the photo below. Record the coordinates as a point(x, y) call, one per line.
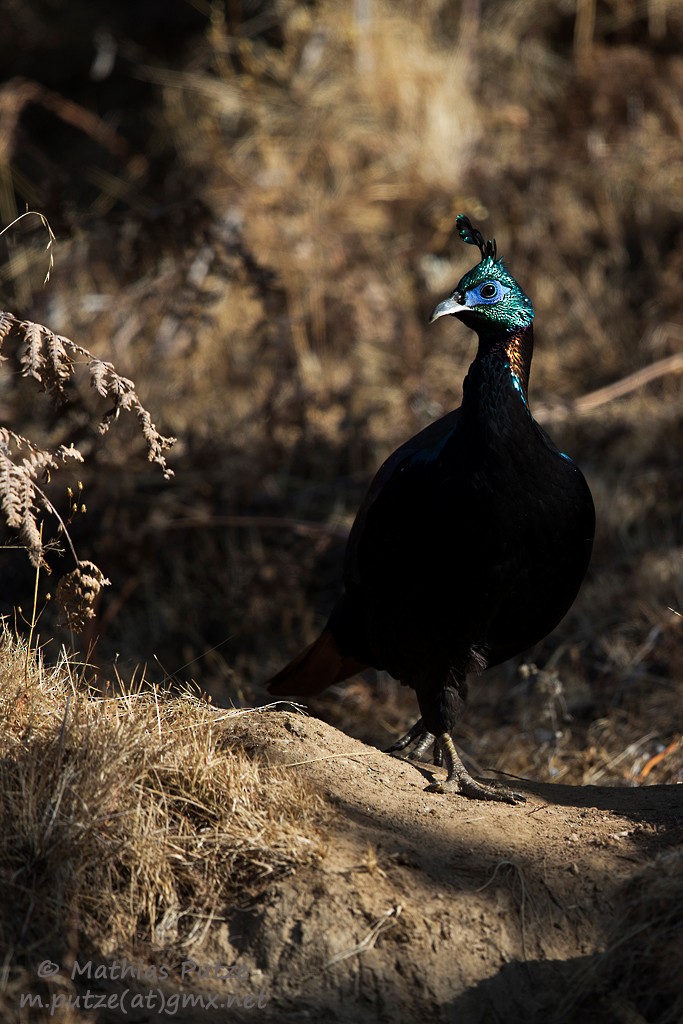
point(318, 666)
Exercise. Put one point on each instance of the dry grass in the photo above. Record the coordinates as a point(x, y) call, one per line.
point(130, 823)
point(637, 978)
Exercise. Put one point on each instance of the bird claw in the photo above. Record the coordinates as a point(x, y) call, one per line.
point(476, 790)
point(459, 779)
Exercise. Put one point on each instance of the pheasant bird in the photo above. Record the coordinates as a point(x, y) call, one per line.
point(471, 543)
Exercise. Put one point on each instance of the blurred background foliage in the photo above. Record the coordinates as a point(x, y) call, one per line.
point(254, 204)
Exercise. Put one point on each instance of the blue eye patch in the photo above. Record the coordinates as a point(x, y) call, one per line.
point(486, 293)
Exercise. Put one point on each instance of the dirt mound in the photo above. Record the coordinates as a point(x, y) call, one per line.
point(307, 876)
point(431, 907)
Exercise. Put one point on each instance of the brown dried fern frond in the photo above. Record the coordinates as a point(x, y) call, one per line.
point(7, 322)
point(44, 356)
point(49, 358)
point(20, 495)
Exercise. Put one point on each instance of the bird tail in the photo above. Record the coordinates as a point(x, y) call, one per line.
point(318, 666)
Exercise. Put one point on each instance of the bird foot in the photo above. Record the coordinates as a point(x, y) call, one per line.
point(476, 790)
point(460, 781)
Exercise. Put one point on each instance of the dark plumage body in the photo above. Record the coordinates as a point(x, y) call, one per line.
point(469, 547)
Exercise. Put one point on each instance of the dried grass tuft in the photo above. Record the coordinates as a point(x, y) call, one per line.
point(132, 821)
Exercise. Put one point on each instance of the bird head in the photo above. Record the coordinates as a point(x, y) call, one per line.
point(487, 298)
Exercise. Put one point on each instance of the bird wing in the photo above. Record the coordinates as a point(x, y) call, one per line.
point(414, 454)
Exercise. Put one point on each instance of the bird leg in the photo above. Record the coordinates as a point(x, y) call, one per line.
point(459, 779)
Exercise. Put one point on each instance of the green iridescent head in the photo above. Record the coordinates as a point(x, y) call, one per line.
point(487, 298)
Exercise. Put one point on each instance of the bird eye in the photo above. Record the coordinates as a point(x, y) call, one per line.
point(487, 291)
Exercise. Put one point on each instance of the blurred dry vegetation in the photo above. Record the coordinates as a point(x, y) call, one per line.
point(254, 206)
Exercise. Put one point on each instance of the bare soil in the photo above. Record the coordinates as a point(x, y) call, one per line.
point(429, 907)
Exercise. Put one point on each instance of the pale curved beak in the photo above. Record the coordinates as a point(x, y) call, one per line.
point(449, 307)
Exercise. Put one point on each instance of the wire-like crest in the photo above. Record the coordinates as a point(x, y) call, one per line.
point(473, 236)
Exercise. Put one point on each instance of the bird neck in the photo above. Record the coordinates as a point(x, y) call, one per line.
point(502, 365)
